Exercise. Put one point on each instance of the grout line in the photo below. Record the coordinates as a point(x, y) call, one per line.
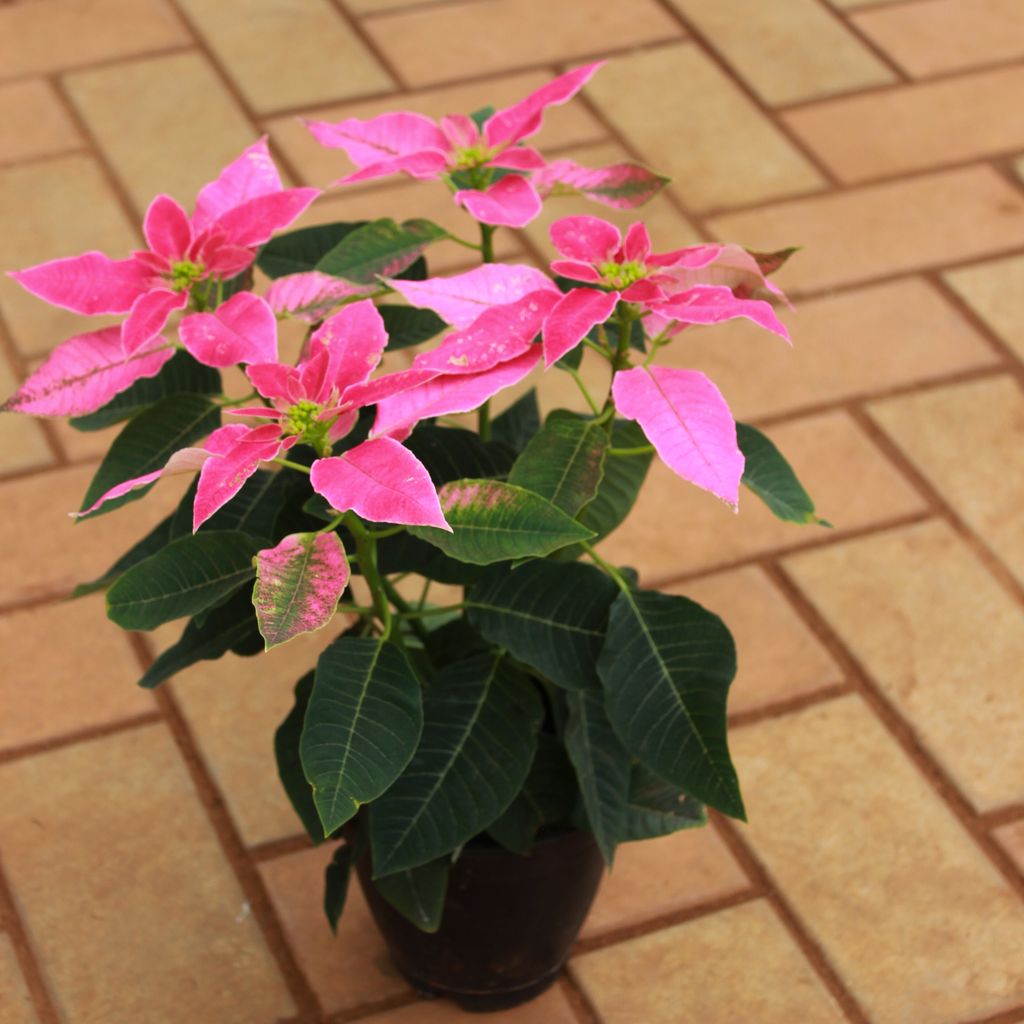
point(42, 158)
point(100, 65)
point(69, 739)
point(371, 1009)
point(778, 709)
point(1002, 817)
point(866, 41)
point(414, 6)
point(580, 1005)
point(1003, 1017)
point(274, 848)
point(358, 29)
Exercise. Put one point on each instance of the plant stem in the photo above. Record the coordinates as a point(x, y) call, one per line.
point(420, 613)
point(366, 551)
point(643, 449)
point(483, 421)
point(621, 582)
point(487, 256)
point(404, 609)
point(297, 466)
point(575, 374)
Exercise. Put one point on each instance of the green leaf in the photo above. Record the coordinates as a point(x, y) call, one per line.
point(602, 767)
point(772, 479)
point(180, 375)
point(407, 326)
point(255, 508)
point(190, 574)
point(450, 453)
point(418, 893)
point(657, 808)
point(362, 725)
point(518, 423)
point(482, 116)
point(229, 626)
point(621, 483)
point(156, 539)
point(336, 877)
point(551, 616)
point(666, 667)
point(382, 248)
point(147, 442)
point(563, 463)
point(480, 721)
point(769, 262)
point(301, 250)
point(402, 552)
point(493, 522)
point(289, 763)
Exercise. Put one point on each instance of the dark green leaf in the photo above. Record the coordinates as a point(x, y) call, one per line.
point(156, 539)
point(657, 808)
point(301, 250)
point(418, 893)
point(403, 552)
point(518, 423)
point(450, 453)
point(336, 878)
point(407, 326)
point(382, 248)
point(480, 722)
point(289, 763)
point(254, 510)
point(769, 262)
point(232, 286)
point(453, 641)
point(147, 442)
point(666, 667)
point(362, 725)
point(549, 615)
point(772, 479)
point(482, 116)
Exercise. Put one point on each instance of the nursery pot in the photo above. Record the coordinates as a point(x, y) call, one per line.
point(509, 921)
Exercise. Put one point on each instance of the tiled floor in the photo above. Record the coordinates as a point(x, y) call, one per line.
point(150, 868)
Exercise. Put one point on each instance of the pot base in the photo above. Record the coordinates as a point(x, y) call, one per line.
point(487, 1001)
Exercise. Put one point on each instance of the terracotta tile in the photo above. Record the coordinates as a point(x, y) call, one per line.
point(913, 127)
point(995, 291)
point(346, 970)
point(1011, 837)
point(779, 657)
point(33, 122)
point(287, 53)
point(55, 208)
point(368, 8)
point(853, 485)
point(22, 442)
point(132, 918)
point(550, 1008)
point(239, 752)
point(663, 876)
point(786, 52)
point(885, 229)
point(83, 445)
point(699, 965)
point(931, 36)
point(968, 440)
point(45, 552)
point(37, 38)
point(16, 1004)
point(856, 343)
point(909, 911)
point(703, 136)
point(494, 35)
point(567, 125)
point(85, 680)
point(166, 124)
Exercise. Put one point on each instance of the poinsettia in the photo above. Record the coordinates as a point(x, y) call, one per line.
point(234, 214)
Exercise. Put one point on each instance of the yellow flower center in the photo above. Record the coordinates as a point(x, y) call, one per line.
point(184, 274)
point(621, 275)
point(469, 157)
point(302, 420)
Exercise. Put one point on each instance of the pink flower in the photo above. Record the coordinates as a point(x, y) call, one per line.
point(234, 215)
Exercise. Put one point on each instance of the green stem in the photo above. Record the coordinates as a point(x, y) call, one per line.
point(366, 551)
point(483, 421)
point(575, 374)
point(297, 466)
point(404, 610)
point(643, 449)
point(487, 242)
point(230, 403)
point(355, 609)
point(621, 582)
point(421, 613)
point(463, 241)
point(427, 581)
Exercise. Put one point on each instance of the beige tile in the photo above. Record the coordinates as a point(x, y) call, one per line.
point(166, 124)
point(911, 605)
point(124, 889)
point(676, 529)
point(737, 965)
point(663, 876)
point(1011, 838)
point(912, 915)
point(346, 970)
point(239, 752)
point(702, 136)
point(493, 35)
point(22, 442)
point(550, 1008)
point(914, 127)
point(995, 291)
point(46, 553)
point(41, 37)
point(856, 343)
point(83, 445)
point(288, 53)
point(968, 440)
point(786, 52)
point(56, 208)
point(779, 657)
point(33, 122)
point(930, 36)
point(87, 679)
point(15, 1001)
point(368, 8)
point(568, 125)
point(885, 229)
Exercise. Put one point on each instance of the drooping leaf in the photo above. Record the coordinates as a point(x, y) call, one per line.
point(621, 483)
point(147, 442)
point(657, 808)
point(156, 539)
point(418, 893)
point(480, 722)
point(493, 521)
point(299, 251)
point(189, 575)
point(449, 453)
point(289, 763)
point(622, 186)
point(771, 478)
point(362, 725)
point(666, 667)
point(382, 248)
point(551, 616)
point(518, 423)
point(336, 878)
point(407, 327)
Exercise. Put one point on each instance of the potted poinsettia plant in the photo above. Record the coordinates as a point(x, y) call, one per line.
point(478, 761)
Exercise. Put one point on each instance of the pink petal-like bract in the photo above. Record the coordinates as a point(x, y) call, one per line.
point(518, 158)
point(249, 175)
point(450, 394)
point(381, 481)
point(167, 229)
point(461, 298)
point(355, 340)
point(374, 391)
point(275, 380)
point(575, 314)
point(91, 284)
point(728, 265)
point(310, 296)
point(242, 330)
point(708, 304)
point(524, 118)
point(83, 373)
point(620, 186)
point(511, 202)
point(149, 316)
point(585, 238)
point(253, 222)
point(687, 420)
point(637, 243)
point(298, 585)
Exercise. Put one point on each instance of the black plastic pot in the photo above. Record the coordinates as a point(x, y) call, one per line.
point(509, 921)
